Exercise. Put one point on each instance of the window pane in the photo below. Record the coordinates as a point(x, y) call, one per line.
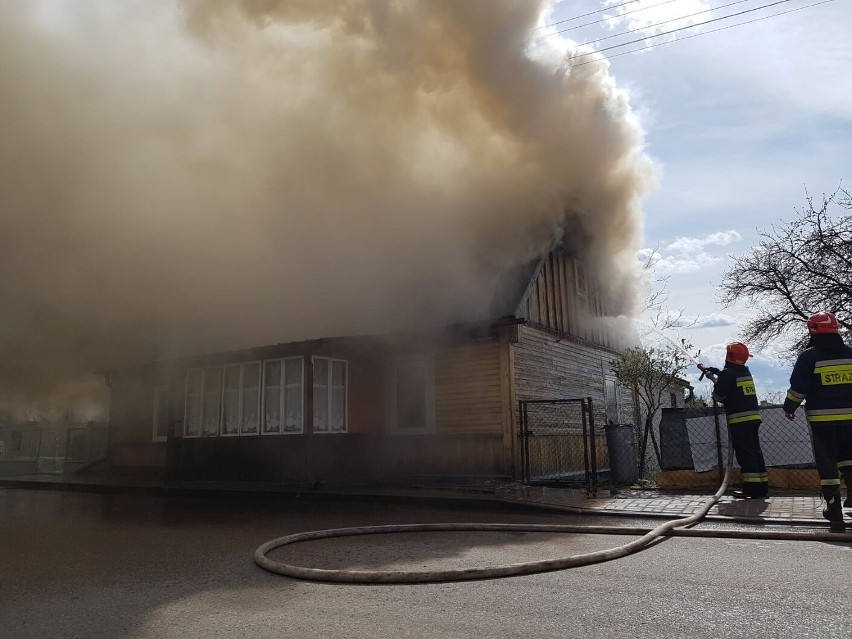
point(231, 401)
point(411, 397)
point(321, 394)
point(251, 398)
point(210, 407)
point(338, 396)
point(293, 395)
point(251, 375)
point(272, 373)
point(272, 397)
point(230, 412)
point(193, 381)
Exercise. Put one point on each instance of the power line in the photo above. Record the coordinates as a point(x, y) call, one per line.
point(695, 35)
point(651, 26)
point(588, 24)
point(586, 15)
point(691, 26)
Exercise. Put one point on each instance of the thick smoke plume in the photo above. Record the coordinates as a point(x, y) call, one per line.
point(182, 177)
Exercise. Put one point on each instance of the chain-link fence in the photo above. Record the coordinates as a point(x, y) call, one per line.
point(47, 448)
point(694, 442)
point(561, 444)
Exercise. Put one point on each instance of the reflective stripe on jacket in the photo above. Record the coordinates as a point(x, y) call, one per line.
point(735, 390)
point(823, 381)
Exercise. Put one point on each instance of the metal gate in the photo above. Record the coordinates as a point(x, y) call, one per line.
point(558, 442)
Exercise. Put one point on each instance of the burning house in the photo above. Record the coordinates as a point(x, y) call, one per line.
point(425, 404)
point(269, 183)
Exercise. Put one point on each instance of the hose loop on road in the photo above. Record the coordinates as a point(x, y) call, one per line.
point(648, 536)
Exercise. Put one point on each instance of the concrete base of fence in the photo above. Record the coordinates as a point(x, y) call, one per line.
point(779, 478)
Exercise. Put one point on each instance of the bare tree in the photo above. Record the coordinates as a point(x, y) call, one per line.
point(796, 269)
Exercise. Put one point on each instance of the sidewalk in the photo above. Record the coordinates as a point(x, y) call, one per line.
point(777, 509)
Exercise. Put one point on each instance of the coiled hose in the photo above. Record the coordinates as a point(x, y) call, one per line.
point(648, 536)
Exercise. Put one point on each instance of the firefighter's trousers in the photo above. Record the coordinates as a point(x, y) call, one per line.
point(744, 437)
point(832, 442)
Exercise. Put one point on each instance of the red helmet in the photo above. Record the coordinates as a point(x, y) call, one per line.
point(736, 353)
point(821, 323)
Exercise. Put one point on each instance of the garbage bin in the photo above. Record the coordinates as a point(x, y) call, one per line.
point(623, 464)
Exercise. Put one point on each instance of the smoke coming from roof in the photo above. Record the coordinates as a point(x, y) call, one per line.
point(179, 177)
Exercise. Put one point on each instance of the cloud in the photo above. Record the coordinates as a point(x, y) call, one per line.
point(687, 254)
point(651, 17)
point(713, 320)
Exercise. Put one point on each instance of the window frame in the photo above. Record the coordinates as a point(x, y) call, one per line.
point(201, 433)
point(392, 407)
point(240, 393)
point(282, 397)
point(330, 397)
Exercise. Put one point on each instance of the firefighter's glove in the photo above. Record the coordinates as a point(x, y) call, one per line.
point(712, 369)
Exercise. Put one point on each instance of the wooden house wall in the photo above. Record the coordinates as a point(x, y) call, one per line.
point(549, 367)
point(554, 301)
point(471, 434)
point(473, 422)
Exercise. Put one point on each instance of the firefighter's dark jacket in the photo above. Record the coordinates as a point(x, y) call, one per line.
point(824, 379)
point(734, 388)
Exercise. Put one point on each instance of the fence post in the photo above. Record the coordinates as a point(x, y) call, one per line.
point(594, 445)
point(522, 416)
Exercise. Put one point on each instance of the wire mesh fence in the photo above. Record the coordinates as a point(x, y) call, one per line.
point(694, 442)
point(562, 444)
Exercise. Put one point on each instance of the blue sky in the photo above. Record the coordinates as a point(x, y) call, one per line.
point(739, 122)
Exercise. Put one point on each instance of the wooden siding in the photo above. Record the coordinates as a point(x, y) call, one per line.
point(553, 300)
point(547, 367)
point(468, 390)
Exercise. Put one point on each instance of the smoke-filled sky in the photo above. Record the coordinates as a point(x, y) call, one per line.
point(186, 176)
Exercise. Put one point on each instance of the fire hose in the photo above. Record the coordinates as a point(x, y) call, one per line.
point(671, 528)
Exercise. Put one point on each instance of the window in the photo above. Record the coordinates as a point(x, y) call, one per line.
point(248, 398)
point(203, 393)
point(161, 414)
point(612, 401)
point(283, 380)
point(411, 395)
point(241, 399)
point(330, 395)
point(16, 441)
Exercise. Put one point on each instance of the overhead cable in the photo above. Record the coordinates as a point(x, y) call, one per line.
point(654, 45)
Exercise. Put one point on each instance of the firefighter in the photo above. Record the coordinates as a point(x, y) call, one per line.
point(733, 387)
point(822, 378)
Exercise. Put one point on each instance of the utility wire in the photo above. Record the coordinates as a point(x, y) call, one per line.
point(691, 26)
point(695, 35)
point(588, 24)
point(586, 15)
point(651, 26)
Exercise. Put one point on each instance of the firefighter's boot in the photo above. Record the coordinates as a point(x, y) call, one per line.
point(833, 512)
point(847, 479)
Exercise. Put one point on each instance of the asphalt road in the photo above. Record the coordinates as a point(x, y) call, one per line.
point(86, 565)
